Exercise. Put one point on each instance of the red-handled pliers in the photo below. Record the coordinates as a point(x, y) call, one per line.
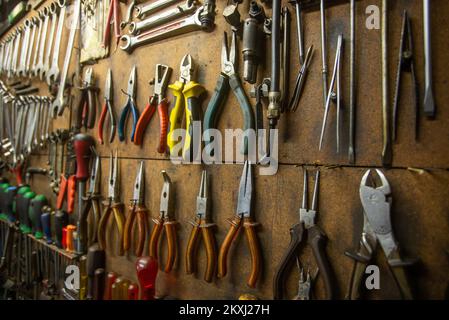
point(107, 108)
point(162, 76)
point(113, 17)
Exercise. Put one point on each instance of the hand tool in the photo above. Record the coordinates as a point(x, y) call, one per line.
point(53, 72)
point(202, 224)
point(54, 8)
point(316, 239)
point(83, 145)
point(405, 64)
point(67, 185)
point(166, 221)
point(24, 49)
point(386, 132)
point(299, 29)
point(186, 94)
point(99, 283)
point(305, 283)
point(285, 27)
point(133, 292)
point(110, 279)
point(36, 205)
point(251, 41)
point(128, 16)
point(429, 103)
point(107, 109)
point(150, 7)
point(159, 101)
point(60, 102)
point(8, 208)
point(274, 96)
point(300, 80)
point(34, 27)
point(336, 79)
point(377, 228)
point(228, 79)
point(137, 208)
point(17, 42)
point(323, 49)
point(168, 15)
point(70, 238)
point(88, 235)
point(23, 201)
point(113, 18)
point(83, 277)
point(130, 107)
point(352, 84)
point(147, 269)
point(86, 112)
point(40, 26)
point(112, 205)
point(46, 224)
point(61, 221)
point(95, 259)
point(38, 71)
point(243, 216)
point(200, 20)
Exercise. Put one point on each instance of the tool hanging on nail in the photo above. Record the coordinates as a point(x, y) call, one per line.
point(107, 109)
point(300, 80)
point(130, 107)
point(387, 152)
point(86, 113)
point(114, 17)
point(429, 102)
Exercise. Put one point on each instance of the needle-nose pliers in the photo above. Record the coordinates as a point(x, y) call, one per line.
point(228, 78)
point(138, 208)
point(242, 216)
point(107, 109)
point(130, 107)
point(203, 225)
point(377, 228)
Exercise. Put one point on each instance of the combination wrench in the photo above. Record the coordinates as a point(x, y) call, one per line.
point(146, 9)
point(429, 102)
point(16, 50)
point(53, 72)
point(36, 47)
point(30, 47)
point(24, 49)
point(40, 60)
point(54, 17)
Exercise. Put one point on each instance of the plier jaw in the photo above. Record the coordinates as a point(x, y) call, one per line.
point(132, 84)
point(108, 86)
point(228, 57)
point(201, 199)
point(307, 216)
point(166, 206)
point(139, 186)
point(187, 69)
point(245, 192)
point(88, 77)
point(94, 181)
point(162, 76)
point(113, 176)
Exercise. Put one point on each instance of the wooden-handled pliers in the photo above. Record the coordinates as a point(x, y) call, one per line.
point(159, 101)
point(243, 216)
point(112, 205)
point(316, 239)
point(130, 107)
point(167, 221)
point(203, 225)
point(107, 109)
point(138, 208)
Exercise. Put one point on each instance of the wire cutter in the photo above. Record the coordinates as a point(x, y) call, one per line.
point(228, 78)
point(406, 64)
point(242, 216)
point(107, 109)
point(86, 112)
point(114, 16)
point(130, 107)
point(316, 239)
point(159, 101)
point(377, 228)
point(186, 94)
point(203, 225)
point(167, 221)
point(138, 208)
point(112, 205)
point(87, 228)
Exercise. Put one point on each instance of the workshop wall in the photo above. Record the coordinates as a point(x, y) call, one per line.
point(420, 201)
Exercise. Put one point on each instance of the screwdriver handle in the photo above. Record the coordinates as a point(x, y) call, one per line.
point(3, 187)
point(147, 269)
point(133, 292)
point(35, 213)
point(46, 225)
point(61, 220)
point(64, 238)
point(82, 144)
point(9, 206)
point(98, 284)
point(110, 280)
point(22, 206)
point(95, 259)
point(83, 277)
point(69, 237)
point(71, 188)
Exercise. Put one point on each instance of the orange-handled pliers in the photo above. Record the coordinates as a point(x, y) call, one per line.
point(107, 108)
point(167, 221)
point(158, 99)
point(113, 17)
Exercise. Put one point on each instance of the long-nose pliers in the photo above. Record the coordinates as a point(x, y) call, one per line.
point(202, 224)
point(130, 107)
point(228, 78)
point(137, 208)
point(112, 205)
point(242, 217)
point(107, 109)
point(377, 228)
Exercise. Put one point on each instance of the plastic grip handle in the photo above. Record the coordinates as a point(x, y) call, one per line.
point(110, 280)
point(10, 196)
point(128, 228)
point(162, 110)
point(226, 245)
point(142, 227)
point(211, 253)
point(154, 238)
point(101, 123)
point(191, 250)
point(133, 292)
point(142, 123)
point(117, 210)
point(46, 226)
point(254, 248)
point(92, 113)
point(35, 213)
point(176, 113)
point(82, 144)
point(147, 269)
point(62, 192)
point(71, 189)
point(214, 107)
point(122, 122)
point(192, 91)
point(170, 231)
point(107, 30)
point(61, 220)
point(69, 238)
point(99, 284)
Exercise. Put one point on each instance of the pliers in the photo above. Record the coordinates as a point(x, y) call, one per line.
point(112, 205)
point(159, 101)
point(86, 112)
point(377, 228)
point(167, 221)
point(316, 239)
point(138, 208)
point(130, 106)
point(186, 94)
point(107, 109)
point(113, 17)
point(242, 216)
point(203, 225)
point(228, 79)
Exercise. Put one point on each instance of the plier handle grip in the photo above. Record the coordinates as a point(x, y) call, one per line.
point(107, 109)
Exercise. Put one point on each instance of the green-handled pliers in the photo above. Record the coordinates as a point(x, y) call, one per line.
point(228, 79)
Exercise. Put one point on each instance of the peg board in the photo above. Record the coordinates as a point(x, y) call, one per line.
point(420, 201)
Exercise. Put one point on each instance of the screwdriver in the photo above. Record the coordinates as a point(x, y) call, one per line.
point(35, 212)
point(23, 202)
point(46, 224)
point(95, 259)
point(61, 220)
point(133, 292)
point(83, 277)
point(98, 284)
point(3, 187)
point(110, 280)
point(9, 198)
point(69, 235)
point(147, 269)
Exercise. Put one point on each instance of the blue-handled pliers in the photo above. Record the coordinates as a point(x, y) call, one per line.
point(130, 106)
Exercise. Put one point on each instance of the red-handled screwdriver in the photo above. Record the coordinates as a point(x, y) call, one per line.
point(146, 273)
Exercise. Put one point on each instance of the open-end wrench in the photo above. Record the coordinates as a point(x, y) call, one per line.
point(16, 50)
point(53, 73)
point(59, 102)
point(148, 8)
point(128, 16)
point(54, 8)
point(175, 28)
point(40, 23)
point(31, 45)
point(24, 49)
point(429, 103)
point(163, 17)
point(40, 59)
